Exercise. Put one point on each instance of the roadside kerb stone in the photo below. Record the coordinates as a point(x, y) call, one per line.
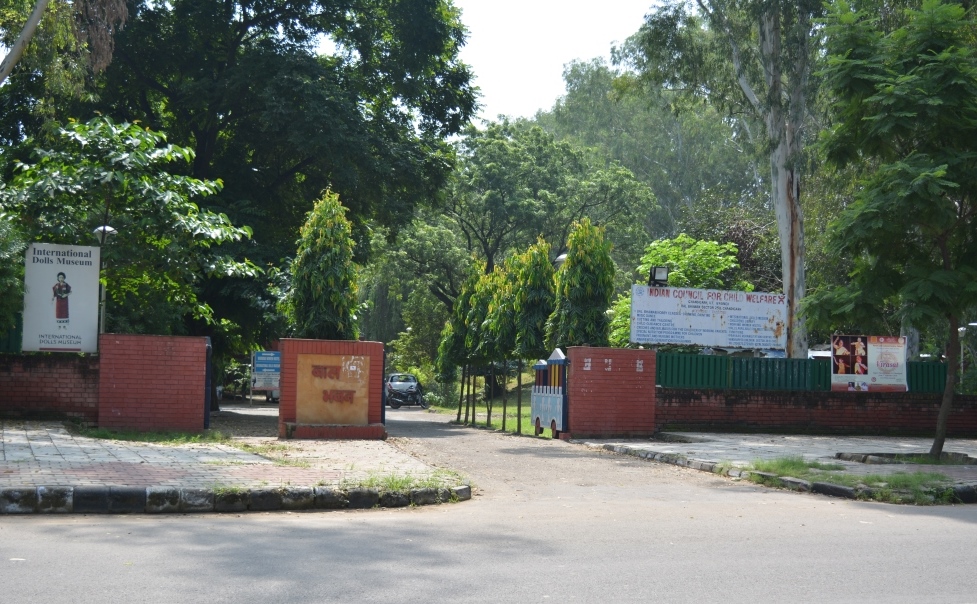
point(266, 500)
point(91, 500)
point(18, 501)
point(394, 499)
point(162, 500)
point(127, 500)
point(298, 498)
point(327, 498)
point(55, 500)
point(231, 500)
point(361, 499)
point(196, 500)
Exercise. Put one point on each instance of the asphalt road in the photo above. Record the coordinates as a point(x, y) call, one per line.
point(551, 521)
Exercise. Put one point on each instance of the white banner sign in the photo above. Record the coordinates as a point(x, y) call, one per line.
point(708, 317)
point(61, 298)
point(868, 364)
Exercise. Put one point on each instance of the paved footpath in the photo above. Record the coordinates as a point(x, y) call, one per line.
point(740, 450)
point(45, 468)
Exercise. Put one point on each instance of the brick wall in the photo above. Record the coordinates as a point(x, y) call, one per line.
point(824, 412)
point(611, 392)
point(288, 427)
point(152, 382)
point(49, 386)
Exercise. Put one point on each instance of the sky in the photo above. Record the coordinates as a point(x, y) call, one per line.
point(517, 48)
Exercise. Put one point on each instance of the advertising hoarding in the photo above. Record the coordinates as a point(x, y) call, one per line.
point(707, 317)
point(61, 298)
point(868, 364)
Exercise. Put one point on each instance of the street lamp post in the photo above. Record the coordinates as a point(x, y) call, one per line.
point(103, 233)
point(961, 331)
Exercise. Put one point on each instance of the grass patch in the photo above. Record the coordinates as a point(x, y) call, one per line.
point(920, 488)
point(793, 466)
point(159, 438)
point(404, 482)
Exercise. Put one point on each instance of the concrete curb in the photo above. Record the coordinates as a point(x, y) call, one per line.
point(176, 500)
point(962, 492)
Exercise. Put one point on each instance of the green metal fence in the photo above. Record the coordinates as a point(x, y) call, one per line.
point(10, 341)
point(718, 372)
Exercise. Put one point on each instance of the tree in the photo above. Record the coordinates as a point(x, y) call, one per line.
point(532, 304)
point(95, 22)
point(907, 100)
point(686, 157)
point(584, 285)
point(752, 58)
point(281, 99)
point(103, 173)
point(11, 272)
point(322, 302)
point(691, 263)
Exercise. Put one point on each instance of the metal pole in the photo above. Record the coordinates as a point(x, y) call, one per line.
point(961, 331)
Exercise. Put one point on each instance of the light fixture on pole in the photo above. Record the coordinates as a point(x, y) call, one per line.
point(658, 276)
point(559, 261)
point(103, 233)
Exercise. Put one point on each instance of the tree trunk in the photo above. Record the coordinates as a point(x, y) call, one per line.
point(912, 339)
point(952, 359)
point(490, 397)
point(461, 391)
point(784, 123)
point(519, 399)
point(505, 391)
point(20, 44)
point(468, 397)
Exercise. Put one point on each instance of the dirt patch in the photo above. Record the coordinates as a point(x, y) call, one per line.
point(243, 421)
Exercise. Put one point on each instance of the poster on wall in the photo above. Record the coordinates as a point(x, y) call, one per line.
point(332, 389)
point(868, 364)
point(707, 317)
point(61, 298)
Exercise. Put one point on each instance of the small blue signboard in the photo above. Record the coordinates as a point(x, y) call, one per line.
point(266, 369)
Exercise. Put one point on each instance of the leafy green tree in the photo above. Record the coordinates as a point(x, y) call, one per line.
point(686, 157)
point(584, 285)
point(94, 22)
point(532, 304)
point(101, 172)
point(322, 302)
point(694, 263)
point(11, 272)
point(907, 99)
point(453, 350)
point(750, 58)
point(691, 263)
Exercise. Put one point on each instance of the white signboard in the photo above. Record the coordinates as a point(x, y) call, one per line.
point(868, 364)
point(61, 298)
point(708, 317)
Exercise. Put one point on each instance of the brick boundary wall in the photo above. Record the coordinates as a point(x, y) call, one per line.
point(287, 424)
point(613, 394)
point(812, 412)
point(152, 382)
point(49, 386)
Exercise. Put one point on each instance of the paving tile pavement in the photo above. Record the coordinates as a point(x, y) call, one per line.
point(34, 453)
point(743, 449)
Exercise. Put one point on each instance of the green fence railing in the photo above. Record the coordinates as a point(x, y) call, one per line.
point(813, 375)
point(926, 377)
